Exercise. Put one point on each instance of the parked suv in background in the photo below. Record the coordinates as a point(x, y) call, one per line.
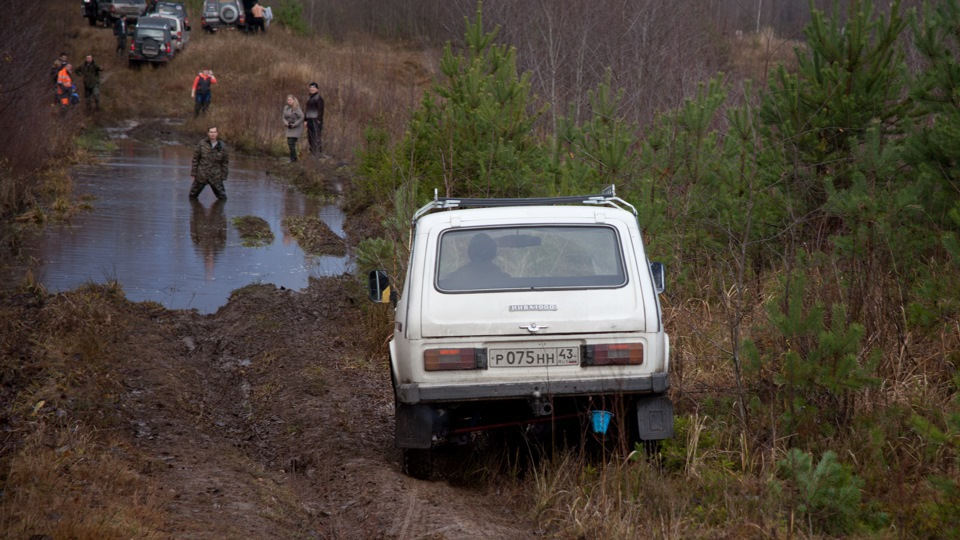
point(222, 14)
point(175, 9)
point(527, 313)
point(152, 41)
point(111, 10)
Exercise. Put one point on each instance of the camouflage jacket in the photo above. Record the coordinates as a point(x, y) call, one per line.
point(210, 163)
point(90, 73)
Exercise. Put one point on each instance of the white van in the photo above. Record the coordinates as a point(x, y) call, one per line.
point(526, 312)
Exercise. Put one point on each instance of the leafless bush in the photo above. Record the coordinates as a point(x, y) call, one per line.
point(658, 52)
point(27, 50)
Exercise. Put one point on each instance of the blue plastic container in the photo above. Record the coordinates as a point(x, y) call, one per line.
point(601, 421)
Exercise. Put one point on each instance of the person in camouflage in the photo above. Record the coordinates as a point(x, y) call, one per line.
point(90, 71)
point(210, 164)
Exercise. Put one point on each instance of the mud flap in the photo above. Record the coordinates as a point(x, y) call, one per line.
point(655, 418)
point(414, 426)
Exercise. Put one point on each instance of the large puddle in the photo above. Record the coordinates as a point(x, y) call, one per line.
point(146, 234)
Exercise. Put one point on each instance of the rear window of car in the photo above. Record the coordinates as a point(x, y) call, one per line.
point(151, 33)
point(530, 257)
point(173, 22)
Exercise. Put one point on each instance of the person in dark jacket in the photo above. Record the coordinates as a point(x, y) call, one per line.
point(314, 119)
point(210, 165)
point(120, 31)
point(90, 71)
point(58, 64)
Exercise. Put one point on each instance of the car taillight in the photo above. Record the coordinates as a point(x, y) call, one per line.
point(179, 35)
point(243, 18)
point(452, 359)
point(614, 354)
point(168, 47)
point(133, 45)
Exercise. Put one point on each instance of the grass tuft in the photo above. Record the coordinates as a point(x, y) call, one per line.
point(254, 231)
point(314, 236)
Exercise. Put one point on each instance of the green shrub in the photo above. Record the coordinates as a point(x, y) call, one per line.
point(289, 13)
point(826, 496)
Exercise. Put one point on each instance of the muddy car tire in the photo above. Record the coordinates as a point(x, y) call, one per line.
point(418, 463)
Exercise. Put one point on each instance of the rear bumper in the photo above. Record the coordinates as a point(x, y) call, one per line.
point(416, 393)
point(140, 58)
point(215, 24)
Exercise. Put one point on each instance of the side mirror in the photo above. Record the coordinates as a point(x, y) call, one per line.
point(657, 271)
point(379, 287)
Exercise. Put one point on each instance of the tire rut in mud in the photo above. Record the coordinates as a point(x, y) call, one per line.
point(267, 419)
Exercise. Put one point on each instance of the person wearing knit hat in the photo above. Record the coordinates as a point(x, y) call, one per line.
point(314, 119)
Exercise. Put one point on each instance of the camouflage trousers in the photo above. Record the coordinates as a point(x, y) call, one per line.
point(215, 185)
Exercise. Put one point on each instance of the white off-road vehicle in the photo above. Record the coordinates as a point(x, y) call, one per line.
point(526, 312)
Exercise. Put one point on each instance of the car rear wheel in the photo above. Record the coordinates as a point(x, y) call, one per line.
point(418, 462)
point(150, 48)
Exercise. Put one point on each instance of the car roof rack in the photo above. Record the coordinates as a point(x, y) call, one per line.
point(608, 197)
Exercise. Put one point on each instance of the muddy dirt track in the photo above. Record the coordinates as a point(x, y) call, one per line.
point(266, 420)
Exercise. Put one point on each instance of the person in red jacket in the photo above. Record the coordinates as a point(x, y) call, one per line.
point(202, 84)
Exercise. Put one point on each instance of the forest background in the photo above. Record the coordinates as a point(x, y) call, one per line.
point(797, 175)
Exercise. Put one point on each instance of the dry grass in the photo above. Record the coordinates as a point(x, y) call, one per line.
point(64, 477)
point(753, 56)
point(634, 498)
point(314, 236)
point(254, 231)
point(67, 481)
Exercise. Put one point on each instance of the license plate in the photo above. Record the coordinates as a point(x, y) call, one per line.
point(547, 356)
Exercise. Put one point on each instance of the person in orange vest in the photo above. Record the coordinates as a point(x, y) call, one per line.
point(201, 91)
point(54, 71)
point(65, 88)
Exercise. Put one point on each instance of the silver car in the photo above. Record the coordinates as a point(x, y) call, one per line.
point(177, 30)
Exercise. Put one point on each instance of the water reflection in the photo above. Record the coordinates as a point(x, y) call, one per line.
point(145, 233)
point(208, 230)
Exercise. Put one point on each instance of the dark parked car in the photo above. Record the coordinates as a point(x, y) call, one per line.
point(110, 10)
point(222, 14)
point(152, 41)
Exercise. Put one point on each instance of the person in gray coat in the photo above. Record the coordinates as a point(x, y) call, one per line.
point(293, 122)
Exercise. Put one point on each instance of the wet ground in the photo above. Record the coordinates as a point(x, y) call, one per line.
point(147, 235)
